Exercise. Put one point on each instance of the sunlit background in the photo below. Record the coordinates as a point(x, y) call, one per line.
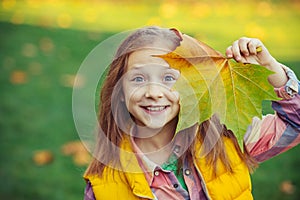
point(43, 43)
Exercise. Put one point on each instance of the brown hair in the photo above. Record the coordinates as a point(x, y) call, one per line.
point(110, 134)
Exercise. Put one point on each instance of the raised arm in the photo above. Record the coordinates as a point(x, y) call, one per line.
point(273, 134)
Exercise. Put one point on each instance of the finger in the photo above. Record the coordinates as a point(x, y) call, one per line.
point(236, 51)
point(243, 45)
point(229, 52)
point(252, 46)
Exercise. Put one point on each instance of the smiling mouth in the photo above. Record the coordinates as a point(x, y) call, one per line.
point(154, 108)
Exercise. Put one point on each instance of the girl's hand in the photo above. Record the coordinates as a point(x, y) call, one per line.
point(245, 50)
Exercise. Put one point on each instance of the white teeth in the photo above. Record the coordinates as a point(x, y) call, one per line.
point(160, 108)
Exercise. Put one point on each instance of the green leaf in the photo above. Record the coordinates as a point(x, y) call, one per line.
point(212, 84)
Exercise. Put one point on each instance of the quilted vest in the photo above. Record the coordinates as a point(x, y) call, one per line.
point(119, 185)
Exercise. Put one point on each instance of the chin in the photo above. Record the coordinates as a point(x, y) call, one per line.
point(154, 125)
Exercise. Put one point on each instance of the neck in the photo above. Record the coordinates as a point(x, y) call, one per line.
point(157, 142)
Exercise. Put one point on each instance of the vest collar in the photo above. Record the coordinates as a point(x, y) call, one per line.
point(132, 171)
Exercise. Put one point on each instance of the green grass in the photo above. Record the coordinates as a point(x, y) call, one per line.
point(37, 114)
point(269, 176)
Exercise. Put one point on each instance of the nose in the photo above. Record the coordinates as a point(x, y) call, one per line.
point(154, 91)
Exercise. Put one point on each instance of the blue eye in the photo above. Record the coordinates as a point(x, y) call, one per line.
point(138, 79)
point(169, 78)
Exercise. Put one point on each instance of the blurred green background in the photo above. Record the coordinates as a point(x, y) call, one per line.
point(43, 43)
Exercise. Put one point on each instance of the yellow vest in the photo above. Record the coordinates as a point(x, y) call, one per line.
point(119, 185)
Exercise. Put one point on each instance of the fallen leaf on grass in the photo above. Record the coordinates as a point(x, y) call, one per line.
point(69, 80)
point(18, 77)
point(29, 50)
point(81, 158)
point(78, 152)
point(43, 157)
point(287, 187)
point(46, 44)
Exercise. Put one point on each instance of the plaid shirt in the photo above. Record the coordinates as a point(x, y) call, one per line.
point(164, 183)
point(264, 139)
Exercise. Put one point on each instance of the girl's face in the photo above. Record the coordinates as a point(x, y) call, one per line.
point(147, 89)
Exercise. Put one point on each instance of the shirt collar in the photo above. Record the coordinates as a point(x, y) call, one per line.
point(148, 166)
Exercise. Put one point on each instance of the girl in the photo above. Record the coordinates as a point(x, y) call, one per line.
point(138, 155)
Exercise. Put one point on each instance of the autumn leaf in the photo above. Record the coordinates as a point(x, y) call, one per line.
point(287, 187)
point(42, 157)
point(212, 84)
point(18, 77)
point(77, 150)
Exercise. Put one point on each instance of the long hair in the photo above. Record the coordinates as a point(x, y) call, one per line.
point(111, 120)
